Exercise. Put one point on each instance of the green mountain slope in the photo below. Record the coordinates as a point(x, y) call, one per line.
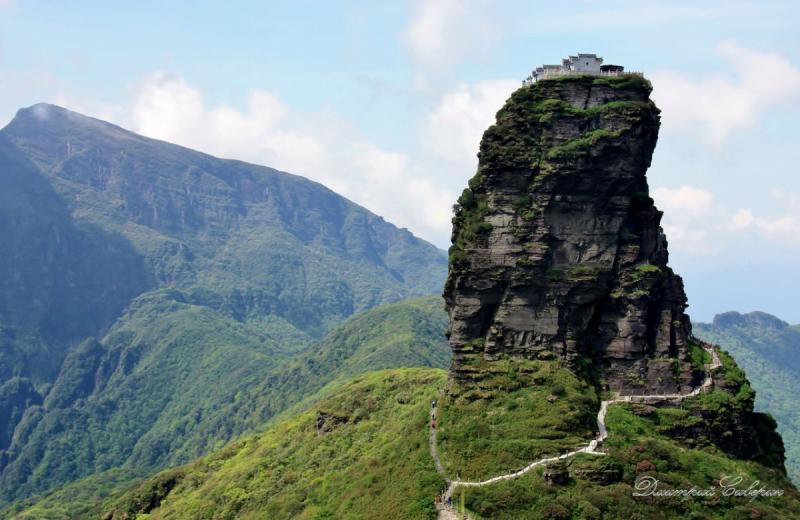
point(73, 499)
point(363, 453)
point(405, 334)
point(525, 411)
point(370, 459)
point(138, 413)
point(278, 252)
point(60, 282)
point(151, 287)
point(154, 368)
point(769, 351)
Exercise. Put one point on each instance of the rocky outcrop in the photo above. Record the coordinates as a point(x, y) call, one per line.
point(556, 474)
point(16, 395)
point(557, 249)
point(726, 420)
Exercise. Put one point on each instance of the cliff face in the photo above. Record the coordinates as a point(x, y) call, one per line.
point(557, 249)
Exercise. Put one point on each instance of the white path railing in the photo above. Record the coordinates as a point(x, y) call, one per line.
point(557, 73)
point(592, 449)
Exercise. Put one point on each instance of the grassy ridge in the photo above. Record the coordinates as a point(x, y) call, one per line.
point(372, 461)
point(507, 421)
point(601, 487)
point(681, 447)
point(769, 351)
point(362, 453)
point(405, 334)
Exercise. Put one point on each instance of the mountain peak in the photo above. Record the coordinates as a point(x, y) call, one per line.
point(50, 115)
point(557, 245)
point(755, 318)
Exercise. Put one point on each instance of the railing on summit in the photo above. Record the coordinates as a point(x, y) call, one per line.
point(550, 73)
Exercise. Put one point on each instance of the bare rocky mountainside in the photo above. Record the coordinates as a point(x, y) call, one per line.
point(557, 245)
point(147, 290)
point(559, 260)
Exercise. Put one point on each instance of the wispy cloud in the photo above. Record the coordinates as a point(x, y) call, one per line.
point(443, 32)
point(691, 218)
point(717, 106)
point(320, 146)
point(697, 224)
point(782, 228)
point(453, 130)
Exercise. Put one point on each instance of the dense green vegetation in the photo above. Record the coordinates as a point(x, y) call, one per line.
point(147, 290)
point(769, 351)
point(185, 381)
point(160, 372)
point(406, 334)
point(598, 487)
point(467, 219)
point(360, 453)
point(601, 487)
point(73, 499)
point(487, 430)
point(59, 282)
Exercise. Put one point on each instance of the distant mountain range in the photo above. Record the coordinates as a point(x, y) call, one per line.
point(147, 289)
point(769, 351)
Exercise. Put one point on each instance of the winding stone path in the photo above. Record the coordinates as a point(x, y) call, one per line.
point(449, 513)
point(435, 455)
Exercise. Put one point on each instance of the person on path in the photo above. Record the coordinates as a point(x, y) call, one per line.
point(433, 424)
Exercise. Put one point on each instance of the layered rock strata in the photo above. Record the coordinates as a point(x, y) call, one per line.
point(557, 248)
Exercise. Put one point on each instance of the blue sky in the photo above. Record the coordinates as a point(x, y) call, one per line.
point(385, 102)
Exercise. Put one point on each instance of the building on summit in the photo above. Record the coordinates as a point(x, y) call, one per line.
point(580, 65)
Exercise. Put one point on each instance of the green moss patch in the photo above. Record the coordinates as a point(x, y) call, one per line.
point(506, 421)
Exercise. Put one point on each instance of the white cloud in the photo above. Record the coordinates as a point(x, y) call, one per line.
point(170, 109)
point(643, 14)
point(691, 219)
point(698, 225)
point(92, 107)
point(783, 228)
point(454, 129)
point(442, 32)
point(320, 146)
point(686, 200)
point(719, 105)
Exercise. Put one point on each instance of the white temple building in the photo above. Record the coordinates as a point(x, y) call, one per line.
point(580, 65)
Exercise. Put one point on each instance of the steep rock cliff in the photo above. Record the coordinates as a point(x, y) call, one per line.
point(557, 249)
